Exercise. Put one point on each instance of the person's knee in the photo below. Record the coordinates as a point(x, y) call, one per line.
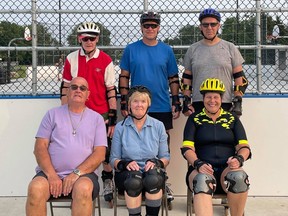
point(82, 188)
point(133, 184)
point(203, 183)
point(237, 181)
point(153, 181)
point(38, 187)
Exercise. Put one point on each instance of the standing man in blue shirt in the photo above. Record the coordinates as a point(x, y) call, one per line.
point(151, 63)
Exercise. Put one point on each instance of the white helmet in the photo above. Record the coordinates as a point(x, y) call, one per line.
point(89, 28)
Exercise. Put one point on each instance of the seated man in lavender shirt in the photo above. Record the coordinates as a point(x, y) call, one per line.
point(70, 145)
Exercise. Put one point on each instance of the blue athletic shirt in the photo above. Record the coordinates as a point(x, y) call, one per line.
point(151, 66)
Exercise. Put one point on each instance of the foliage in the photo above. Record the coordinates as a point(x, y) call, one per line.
point(238, 30)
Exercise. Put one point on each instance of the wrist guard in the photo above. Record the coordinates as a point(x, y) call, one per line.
point(122, 165)
point(123, 103)
point(176, 102)
point(197, 164)
point(186, 103)
point(157, 162)
point(112, 117)
point(237, 105)
point(240, 159)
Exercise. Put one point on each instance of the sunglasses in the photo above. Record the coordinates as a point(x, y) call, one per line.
point(75, 87)
point(85, 39)
point(206, 25)
point(147, 26)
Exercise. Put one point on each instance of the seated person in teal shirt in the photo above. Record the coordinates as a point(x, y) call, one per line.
point(140, 154)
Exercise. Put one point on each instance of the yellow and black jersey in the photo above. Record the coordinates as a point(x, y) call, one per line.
point(214, 142)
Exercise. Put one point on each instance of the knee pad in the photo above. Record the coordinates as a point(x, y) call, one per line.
point(237, 181)
point(133, 183)
point(153, 181)
point(203, 183)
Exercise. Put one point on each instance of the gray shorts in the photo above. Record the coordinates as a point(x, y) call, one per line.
point(92, 176)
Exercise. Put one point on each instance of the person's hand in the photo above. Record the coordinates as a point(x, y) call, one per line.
point(68, 183)
point(124, 113)
point(189, 111)
point(110, 131)
point(55, 185)
point(203, 167)
point(206, 169)
point(153, 163)
point(175, 113)
point(133, 166)
point(149, 165)
point(234, 163)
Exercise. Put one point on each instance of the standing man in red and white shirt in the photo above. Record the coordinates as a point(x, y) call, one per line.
point(97, 68)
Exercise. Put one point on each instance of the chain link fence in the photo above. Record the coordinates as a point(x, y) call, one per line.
point(32, 67)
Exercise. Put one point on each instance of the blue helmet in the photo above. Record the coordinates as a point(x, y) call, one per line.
point(209, 13)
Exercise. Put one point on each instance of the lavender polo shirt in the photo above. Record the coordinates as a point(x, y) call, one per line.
point(68, 151)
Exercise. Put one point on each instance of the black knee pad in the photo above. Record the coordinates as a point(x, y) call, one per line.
point(153, 181)
point(133, 183)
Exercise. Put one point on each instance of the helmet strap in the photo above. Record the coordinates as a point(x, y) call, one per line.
point(131, 114)
point(88, 53)
point(208, 38)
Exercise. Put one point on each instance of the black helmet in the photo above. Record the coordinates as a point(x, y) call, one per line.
point(150, 16)
point(210, 13)
point(138, 88)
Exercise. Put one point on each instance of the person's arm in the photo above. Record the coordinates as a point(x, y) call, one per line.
point(123, 90)
point(63, 89)
point(186, 87)
point(93, 161)
point(174, 87)
point(240, 85)
point(44, 162)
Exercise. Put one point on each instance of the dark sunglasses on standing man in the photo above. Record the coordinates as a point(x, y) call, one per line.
point(85, 39)
point(206, 25)
point(147, 26)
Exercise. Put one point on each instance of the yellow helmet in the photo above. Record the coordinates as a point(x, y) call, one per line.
point(212, 85)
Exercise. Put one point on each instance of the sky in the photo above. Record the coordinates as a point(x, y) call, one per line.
point(124, 27)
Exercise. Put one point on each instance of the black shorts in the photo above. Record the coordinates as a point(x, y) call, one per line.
point(217, 176)
point(92, 176)
point(165, 117)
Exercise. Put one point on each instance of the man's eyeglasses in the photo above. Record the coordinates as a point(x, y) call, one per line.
point(85, 39)
point(147, 26)
point(206, 25)
point(75, 87)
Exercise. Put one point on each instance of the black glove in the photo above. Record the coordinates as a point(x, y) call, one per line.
point(112, 117)
point(186, 103)
point(123, 103)
point(237, 106)
point(157, 162)
point(122, 165)
point(198, 163)
point(240, 159)
point(176, 102)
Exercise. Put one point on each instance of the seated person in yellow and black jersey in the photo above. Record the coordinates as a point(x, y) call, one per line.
point(215, 146)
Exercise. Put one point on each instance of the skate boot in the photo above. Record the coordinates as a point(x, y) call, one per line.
point(170, 196)
point(108, 188)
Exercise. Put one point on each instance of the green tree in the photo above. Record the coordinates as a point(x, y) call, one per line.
point(187, 35)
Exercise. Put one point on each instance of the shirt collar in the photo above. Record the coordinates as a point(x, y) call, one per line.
point(96, 54)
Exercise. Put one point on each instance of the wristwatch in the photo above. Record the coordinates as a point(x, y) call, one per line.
point(77, 172)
